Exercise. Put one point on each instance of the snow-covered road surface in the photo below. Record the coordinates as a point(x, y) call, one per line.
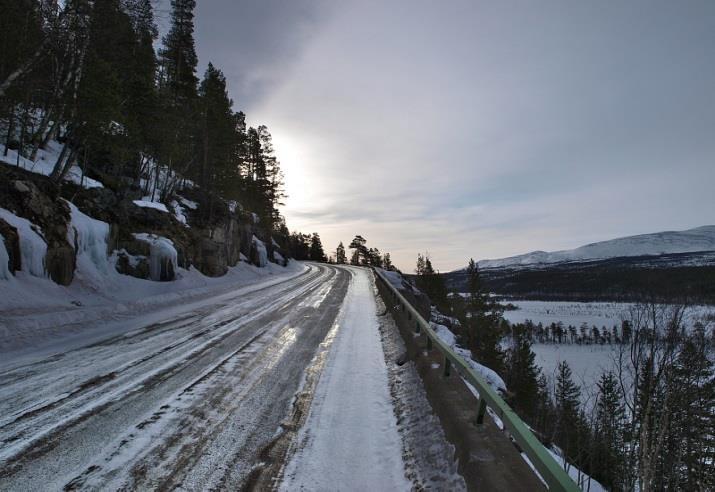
point(350, 440)
point(187, 402)
point(213, 398)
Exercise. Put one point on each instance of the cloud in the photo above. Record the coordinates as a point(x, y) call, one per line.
point(481, 129)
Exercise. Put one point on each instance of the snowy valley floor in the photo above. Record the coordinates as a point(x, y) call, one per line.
point(220, 392)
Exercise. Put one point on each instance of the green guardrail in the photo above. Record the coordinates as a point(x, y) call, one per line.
point(552, 473)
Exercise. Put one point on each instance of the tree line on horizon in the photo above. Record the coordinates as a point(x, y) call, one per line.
point(85, 73)
point(649, 424)
point(310, 247)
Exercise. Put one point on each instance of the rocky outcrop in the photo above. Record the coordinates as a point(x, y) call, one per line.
point(214, 237)
point(38, 201)
point(12, 245)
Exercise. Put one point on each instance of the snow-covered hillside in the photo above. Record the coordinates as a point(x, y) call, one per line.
point(668, 242)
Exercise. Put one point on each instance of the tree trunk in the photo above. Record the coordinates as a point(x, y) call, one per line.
point(10, 128)
point(59, 164)
point(24, 68)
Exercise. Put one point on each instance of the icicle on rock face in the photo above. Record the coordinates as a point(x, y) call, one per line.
point(33, 247)
point(89, 238)
point(162, 256)
point(259, 254)
point(4, 261)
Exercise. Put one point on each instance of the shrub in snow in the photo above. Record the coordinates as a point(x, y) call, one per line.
point(33, 247)
point(162, 256)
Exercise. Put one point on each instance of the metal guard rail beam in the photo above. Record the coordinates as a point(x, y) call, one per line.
point(554, 475)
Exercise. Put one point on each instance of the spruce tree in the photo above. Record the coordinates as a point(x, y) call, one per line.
point(608, 452)
point(523, 376)
point(178, 91)
point(178, 57)
point(567, 397)
point(482, 322)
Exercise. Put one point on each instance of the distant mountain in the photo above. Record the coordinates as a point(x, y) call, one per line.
point(659, 243)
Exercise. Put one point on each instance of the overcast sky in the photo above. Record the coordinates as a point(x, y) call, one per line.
point(473, 128)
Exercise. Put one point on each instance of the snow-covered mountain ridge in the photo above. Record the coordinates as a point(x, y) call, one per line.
point(659, 243)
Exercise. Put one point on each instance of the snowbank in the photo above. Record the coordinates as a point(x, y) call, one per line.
point(149, 204)
point(350, 438)
point(33, 247)
point(46, 162)
point(162, 256)
point(490, 376)
point(278, 257)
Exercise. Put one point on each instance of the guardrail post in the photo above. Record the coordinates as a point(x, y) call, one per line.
point(417, 326)
point(447, 365)
point(481, 410)
point(429, 343)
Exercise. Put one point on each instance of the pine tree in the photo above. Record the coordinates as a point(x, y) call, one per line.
point(361, 252)
point(374, 257)
point(340, 257)
point(217, 129)
point(316, 249)
point(387, 262)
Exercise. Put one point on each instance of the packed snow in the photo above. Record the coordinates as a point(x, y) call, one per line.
point(33, 247)
point(39, 317)
point(145, 203)
point(189, 203)
point(45, 163)
point(688, 241)
point(179, 212)
point(350, 440)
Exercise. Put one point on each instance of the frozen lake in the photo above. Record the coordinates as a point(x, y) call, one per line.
point(575, 313)
point(587, 362)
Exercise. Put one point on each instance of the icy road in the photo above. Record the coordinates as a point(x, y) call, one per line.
point(286, 382)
